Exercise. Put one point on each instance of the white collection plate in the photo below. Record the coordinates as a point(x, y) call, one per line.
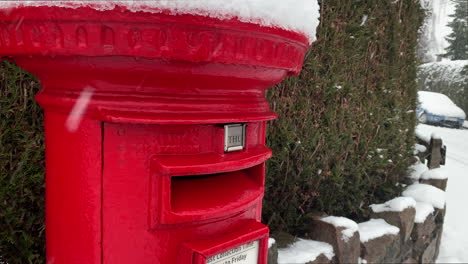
point(244, 254)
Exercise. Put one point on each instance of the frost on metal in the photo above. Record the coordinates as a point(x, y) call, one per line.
point(295, 15)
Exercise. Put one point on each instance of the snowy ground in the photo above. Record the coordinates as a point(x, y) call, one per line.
point(454, 247)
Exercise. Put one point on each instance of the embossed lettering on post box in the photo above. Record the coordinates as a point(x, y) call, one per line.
point(234, 137)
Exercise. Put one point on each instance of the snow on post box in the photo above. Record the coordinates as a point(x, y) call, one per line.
point(155, 128)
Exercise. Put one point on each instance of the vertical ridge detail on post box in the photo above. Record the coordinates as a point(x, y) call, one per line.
point(73, 196)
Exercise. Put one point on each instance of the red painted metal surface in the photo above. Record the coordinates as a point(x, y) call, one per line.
point(142, 177)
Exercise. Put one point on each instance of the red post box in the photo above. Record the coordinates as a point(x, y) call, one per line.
point(155, 131)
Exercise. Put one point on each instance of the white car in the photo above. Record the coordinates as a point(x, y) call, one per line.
point(438, 109)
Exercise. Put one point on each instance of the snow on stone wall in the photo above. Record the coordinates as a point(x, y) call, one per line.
point(375, 228)
point(427, 194)
point(395, 205)
point(304, 251)
point(350, 227)
point(396, 235)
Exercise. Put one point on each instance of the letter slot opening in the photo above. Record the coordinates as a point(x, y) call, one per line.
point(213, 193)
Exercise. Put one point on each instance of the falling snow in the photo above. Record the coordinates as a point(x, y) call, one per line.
point(79, 109)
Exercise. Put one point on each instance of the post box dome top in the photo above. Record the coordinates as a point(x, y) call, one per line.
point(159, 62)
point(169, 30)
point(300, 16)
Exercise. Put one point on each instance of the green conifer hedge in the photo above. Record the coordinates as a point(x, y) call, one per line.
point(346, 124)
point(21, 168)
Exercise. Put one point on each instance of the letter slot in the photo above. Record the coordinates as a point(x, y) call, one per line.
point(204, 194)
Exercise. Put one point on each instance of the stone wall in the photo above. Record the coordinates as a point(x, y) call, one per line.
point(411, 227)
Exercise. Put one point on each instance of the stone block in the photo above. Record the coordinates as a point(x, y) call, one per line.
point(438, 239)
point(422, 236)
point(384, 249)
point(439, 183)
point(435, 155)
point(440, 216)
point(273, 254)
point(403, 220)
point(321, 259)
point(429, 255)
point(346, 250)
point(406, 249)
point(410, 261)
point(439, 223)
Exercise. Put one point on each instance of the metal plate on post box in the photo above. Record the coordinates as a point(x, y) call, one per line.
point(245, 254)
point(234, 137)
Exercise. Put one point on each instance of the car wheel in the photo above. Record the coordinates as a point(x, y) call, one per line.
point(423, 118)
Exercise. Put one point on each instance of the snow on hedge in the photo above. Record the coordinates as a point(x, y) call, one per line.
point(304, 251)
point(418, 148)
point(437, 174)
point(350, 226)
point(295, 15)
point(439, 104)
point(426, 193)
point(395, 205)
point(423, 210)
point(416, 170)
point(421, 135)
point(375, 228)
point(444, 71)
